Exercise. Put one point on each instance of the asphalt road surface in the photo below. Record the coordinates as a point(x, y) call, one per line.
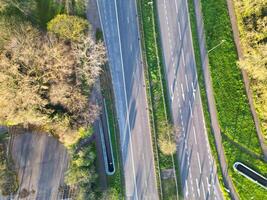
point(120, 27)
point(196, 164)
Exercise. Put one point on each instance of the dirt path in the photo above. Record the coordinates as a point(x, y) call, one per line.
point(232, 15)
point(211, 102)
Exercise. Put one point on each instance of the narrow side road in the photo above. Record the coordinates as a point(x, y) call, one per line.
point(211, 101)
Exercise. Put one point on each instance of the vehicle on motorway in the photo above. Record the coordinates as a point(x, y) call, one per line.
point(250, 174)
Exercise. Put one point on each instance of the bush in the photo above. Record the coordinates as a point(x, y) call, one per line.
point(82, 173)
point(68, 27)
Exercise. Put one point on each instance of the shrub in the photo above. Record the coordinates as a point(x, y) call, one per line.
point(68, 27)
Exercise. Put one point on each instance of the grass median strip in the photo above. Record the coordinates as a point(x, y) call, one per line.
point(234, 113)
point(156, 89)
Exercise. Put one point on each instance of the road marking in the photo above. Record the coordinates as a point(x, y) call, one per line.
point(176, 6)
point(190, 108)
point(128, 19)
point(199, 164)
point(143, 157)
point(180, 37)
point(186, 81)
point(203, 190)
point(182, 92)
point(186, 188)
point(130, 139)
point(183, 56)
point(208, 185)
point(194, 131)
point(198, 191)
point(194, 91)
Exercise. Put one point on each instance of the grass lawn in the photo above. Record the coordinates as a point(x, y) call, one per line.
point(234, 114)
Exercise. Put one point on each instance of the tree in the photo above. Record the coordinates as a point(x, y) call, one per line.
point(46, 81)
point(68, 27)
point(252, 21)
point(167, 140)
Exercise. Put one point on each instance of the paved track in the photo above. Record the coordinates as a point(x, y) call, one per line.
point(120, 28)
point(197, 169)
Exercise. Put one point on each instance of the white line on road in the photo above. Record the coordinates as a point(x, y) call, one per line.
point(186, 81)
point(182, 92)
point(190, 107)
point(143, 157)
point(186, 188)
point(183, 57)
point(198, 190)
point(180, 37)
point(203, 190)
point(199, 164)
point(176, 6)
point(194, 91)
point(194, 131)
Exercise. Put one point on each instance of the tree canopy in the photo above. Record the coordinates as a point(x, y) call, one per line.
point(46, 78)
point(252, 21)
point(67, 26)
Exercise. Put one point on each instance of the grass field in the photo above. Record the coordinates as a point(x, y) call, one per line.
point(239, 134)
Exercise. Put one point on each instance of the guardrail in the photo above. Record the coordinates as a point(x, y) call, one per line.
point(250, 174)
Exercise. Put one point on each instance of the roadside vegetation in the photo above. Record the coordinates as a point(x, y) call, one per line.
point(252, 24)
point(48, 67)
point(240, 139)
point(81, 175)
point(8, 176)
point(164, 133)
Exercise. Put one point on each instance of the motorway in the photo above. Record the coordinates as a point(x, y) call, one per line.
point(197, 168)
point(120, 27)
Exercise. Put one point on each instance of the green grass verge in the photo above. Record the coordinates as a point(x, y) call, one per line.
point(115, 181)
point(234, 113)
point(156, 85)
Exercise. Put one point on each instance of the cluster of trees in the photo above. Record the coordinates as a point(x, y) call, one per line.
point(252, 20)
point(46, 75)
